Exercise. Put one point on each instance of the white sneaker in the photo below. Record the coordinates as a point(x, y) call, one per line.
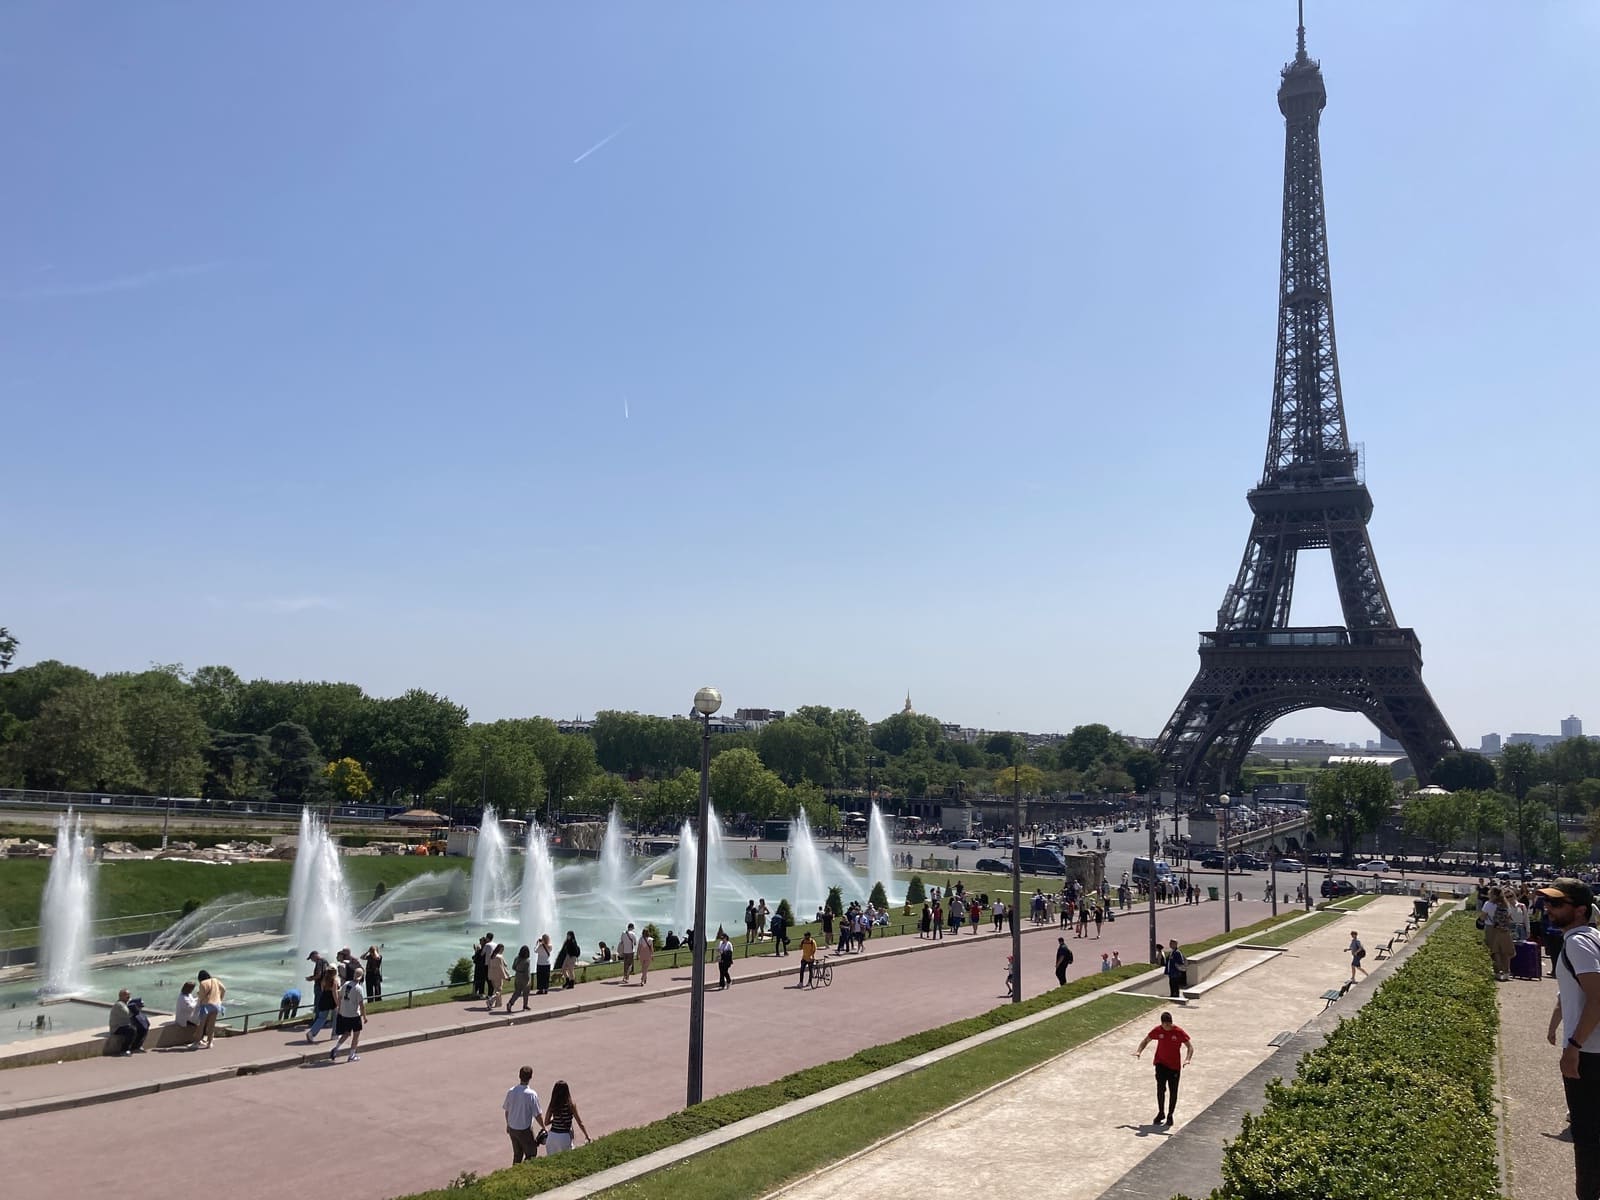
point(353, 1057)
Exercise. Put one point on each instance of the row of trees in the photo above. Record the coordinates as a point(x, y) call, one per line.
point(1527, 802)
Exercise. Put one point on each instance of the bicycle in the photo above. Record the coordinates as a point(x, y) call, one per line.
point(821, 972)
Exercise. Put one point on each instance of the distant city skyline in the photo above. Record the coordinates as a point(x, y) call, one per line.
point(509, 359)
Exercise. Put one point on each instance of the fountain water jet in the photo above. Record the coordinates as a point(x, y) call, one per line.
point(615, 872)
point(538, 889)
point(65, 912)
point(491, 873)
point(805, 868)
point(880, 858)
point(319, 903)
point(688, 860)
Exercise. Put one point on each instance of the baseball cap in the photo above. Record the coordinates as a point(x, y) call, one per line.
point(1575, 890)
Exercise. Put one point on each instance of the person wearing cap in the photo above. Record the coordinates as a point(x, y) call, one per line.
point(1569, 904)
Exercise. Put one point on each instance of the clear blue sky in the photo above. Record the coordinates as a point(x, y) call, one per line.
point(883, 347)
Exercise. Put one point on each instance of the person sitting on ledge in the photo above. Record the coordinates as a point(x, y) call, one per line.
point(671, 942)
point(129, 1022)
point(603, 954)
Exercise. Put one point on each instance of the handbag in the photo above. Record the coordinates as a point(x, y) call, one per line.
point(542, 1137)
point(1479, 922)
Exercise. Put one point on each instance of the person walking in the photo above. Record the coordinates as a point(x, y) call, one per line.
point(1569, 907)
point(1357, 952)
point(647, 955)
point(496, 973)
point(927, 920)
point(1063, 960)
point(209, 994)
point(1099, 918)
point(627, 947)
point(567, 961)
point(324, 1003)
point(1174, 968)
point(558, 1118)
point(780, 934)
point(724, 963)
point(938, 921)
point(542, 953)
point(808, 959)
point(521, 981)
point(373, 959)
point(521, 1107)
point(1167, 1037)
point(350, 1017)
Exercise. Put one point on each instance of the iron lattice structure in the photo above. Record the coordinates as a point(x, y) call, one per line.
point(1255, 667)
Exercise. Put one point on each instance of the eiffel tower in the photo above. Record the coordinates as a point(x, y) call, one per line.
point(1255, 667)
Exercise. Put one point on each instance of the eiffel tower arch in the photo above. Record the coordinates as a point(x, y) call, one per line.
point(1254, 666)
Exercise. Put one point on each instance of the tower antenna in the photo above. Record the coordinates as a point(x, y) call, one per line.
point(1300, 33)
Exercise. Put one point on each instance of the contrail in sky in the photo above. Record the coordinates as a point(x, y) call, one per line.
point(624, 408)
point(614, 133)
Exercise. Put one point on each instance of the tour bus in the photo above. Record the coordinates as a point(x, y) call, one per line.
point(1141, 869)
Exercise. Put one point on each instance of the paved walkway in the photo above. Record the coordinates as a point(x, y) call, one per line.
point(1097, 1097)
point(1536, 1157)
point(413, 1116)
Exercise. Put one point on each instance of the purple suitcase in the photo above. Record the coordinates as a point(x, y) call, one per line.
point(1526, 962)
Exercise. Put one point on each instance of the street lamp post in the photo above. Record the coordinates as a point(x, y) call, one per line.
point(706, 701)
point(1227, 911)
point(1016, 882)
point(1150, 883)
point(1272, 852)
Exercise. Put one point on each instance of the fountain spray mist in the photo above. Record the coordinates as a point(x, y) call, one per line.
point(319, 903)
point(880, 858)
point(491, 874)
point(64, 915)
point(538, 889)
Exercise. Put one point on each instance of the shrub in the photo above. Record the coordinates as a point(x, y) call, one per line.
point(461, 971)
point(190, 905)
point(915, 892)
point(835, 903)
point(879, 898)
point(786, 912)
point(1399, 1101)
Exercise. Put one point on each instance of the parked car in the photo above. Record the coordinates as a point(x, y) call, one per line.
point(1000, 866)
point(1376, 864)
point(1251, 862)
point(1215, 862)
point(965, 844)
point(1332, 888)
point(1003, 843)
point(1291, 865)
point(1513, 873)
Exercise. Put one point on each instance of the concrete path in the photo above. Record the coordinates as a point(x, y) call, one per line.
point(1536, 1150)
point(413, 1116)
point(1097, 1099)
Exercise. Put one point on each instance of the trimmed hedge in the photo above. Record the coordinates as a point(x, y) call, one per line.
point(1398, 1102)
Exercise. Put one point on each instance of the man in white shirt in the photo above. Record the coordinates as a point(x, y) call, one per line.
point(348, 1016)
point(627, 946)
point(1569, 908)
point(521, 1107)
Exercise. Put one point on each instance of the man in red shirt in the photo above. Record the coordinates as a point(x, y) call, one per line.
point(1167, 1037)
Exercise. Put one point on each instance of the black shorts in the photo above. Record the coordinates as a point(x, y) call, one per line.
point(344, 1025)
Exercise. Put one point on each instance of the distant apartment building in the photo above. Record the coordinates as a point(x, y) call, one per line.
point(1539, 741)
point(1572, 727)
point(1489, 743)
point(757, 718)
point(1385, 742)
point(1266, 741)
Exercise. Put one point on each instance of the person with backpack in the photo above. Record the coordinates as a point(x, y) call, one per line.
point(349, 1017)
point(724, 961)
point(1569, 907)
point(567, 961)
point(1174, 968)
point(1357, 952)
point(1063, 960)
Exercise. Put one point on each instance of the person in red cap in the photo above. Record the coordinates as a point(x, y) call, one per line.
point(1569, 908)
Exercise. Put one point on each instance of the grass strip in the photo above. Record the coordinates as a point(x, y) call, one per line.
point(1283, 936)
point(1398, 1102)
point(769, 1158)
